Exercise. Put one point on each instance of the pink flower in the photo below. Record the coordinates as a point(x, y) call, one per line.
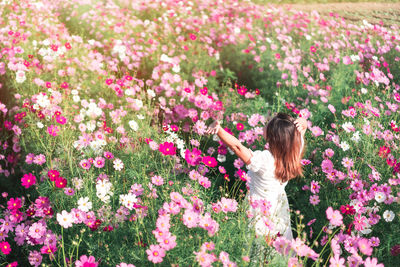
point(53, 174)
point(108, 155)
point(347, 60)
point(294, 262)
point(334, 216)
point(282, 245)
point(337, 261)
point(372, 263)
point(314, 200)
point(167, 148)
point(85, 261)
point(168, 242)
point(157, 180)
point(5, 247)
point(99, 162)
point(359, 222)
point(85, 164)
point(155, 254)
point(39, 159)
point(61, 119)
point(239, 126)
point(28, 180)
point(314, 188)
point(61, 182)
point(210, 161)
point(364, 246)
point(29, 158)
point(193, 157)
point(316, 131)
point(53, 130)
point(313, 49)
point(204, 181)
point(14, 204)
point(35, 258)
point(190, 218)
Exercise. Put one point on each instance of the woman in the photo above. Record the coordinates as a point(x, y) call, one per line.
point(270, 170)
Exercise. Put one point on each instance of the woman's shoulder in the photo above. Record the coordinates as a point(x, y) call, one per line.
point(260, 159)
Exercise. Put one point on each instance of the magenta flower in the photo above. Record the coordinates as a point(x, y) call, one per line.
point(193, 157)
point(85, 261)
point(53, 174)
point(108, 155)
point(14, 204)
point(334, 216)
point(167, 148)
point(210, 161)
point(5, 247)
point(155, 253)
point(53, 130)
point(61, 182)
point(28, 180)
point(61, 119)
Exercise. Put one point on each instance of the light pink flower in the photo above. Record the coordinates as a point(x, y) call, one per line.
point(334, 216)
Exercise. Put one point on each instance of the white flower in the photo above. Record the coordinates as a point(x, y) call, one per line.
point(134, 126)
point(176, 68)
point(348, 127)
point(388, 215)
point(84, 204)
point(221, 158)
point(380, 197)
point(43, 100)
point(139, 103)
point(165, 58)
point(344, 145)
point(140, 116)
point(367, 229)
point(90, 126)
point(151, 93)
point(20, 76)
point(39, 125)
point(364, 91)
point(356, 137)
point(118, 164)
point(103, 187)
point(77, 182)
point(76, 98)
point(128, 200)
point(180, 144)
point(65, 219)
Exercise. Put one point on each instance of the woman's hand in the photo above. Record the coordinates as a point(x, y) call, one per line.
point(301, 125)
point(213, 128)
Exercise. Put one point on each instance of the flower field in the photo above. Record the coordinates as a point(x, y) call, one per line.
point(104, 160)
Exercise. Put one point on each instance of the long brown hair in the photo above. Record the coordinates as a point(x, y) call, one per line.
point(284, 144)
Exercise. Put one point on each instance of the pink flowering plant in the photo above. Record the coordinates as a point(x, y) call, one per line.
point(104, 160)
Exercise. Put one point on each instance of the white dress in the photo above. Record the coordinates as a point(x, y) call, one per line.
point(264, 185)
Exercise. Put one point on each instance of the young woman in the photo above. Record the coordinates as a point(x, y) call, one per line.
point(270, 170)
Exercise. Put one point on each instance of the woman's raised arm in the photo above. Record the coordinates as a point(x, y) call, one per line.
point(232, 142)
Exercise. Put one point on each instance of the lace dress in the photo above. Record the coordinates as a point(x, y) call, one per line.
point(264, 185)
